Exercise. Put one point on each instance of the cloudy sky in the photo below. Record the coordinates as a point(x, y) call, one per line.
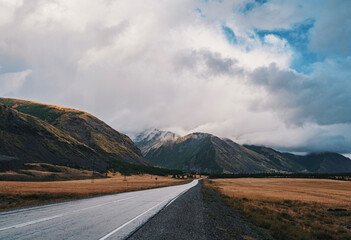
point(269, 72)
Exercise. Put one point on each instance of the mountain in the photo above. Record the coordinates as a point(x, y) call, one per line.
point(285, 161)
point(207, 153)
point(154, 138)
point(314, 162)
point(200, 152)
point(325, 162)
point(37, 132)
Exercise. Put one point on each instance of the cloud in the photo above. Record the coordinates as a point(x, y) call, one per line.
point(269, 75)
point(10, 82)
point(322, 98)
point(331, 35)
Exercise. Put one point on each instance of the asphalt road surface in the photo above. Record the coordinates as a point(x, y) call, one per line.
point(107, 217)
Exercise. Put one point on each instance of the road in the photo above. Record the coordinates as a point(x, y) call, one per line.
point(107, 217)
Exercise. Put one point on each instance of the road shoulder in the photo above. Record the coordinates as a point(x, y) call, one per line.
point(198, 214)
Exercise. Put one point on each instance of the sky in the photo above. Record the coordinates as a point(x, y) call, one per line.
point(266, 72)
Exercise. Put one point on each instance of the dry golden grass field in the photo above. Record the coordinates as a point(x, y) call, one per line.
point(331, 193)
point(291, 208)
point(15, 194)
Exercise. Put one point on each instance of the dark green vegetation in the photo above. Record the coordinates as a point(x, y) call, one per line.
point(42, 133)
point(290, 220)
point(203, 152)
point(129, 169)
point(335, 176)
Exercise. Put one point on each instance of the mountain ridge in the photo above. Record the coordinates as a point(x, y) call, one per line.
point(209, 153)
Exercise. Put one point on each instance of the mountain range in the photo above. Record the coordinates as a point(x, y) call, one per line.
point(204, 152)
point(32, 132)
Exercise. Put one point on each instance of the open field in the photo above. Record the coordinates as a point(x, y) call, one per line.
point(291, 208)
point(15, 194)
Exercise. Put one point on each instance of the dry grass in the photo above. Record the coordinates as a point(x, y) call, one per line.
point(292, 208)
point(15, 194)
point(331, 193)
point(39, 172)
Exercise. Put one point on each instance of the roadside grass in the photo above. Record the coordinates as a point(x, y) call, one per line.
point(286, 218)
point(19, 194)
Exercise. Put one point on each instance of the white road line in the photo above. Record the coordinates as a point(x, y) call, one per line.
point(119, 228)
point(130, 221)
point(60, 215)
point(177, 197)
point(8, 212)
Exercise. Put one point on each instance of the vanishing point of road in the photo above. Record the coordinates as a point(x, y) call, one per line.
point(114, 216)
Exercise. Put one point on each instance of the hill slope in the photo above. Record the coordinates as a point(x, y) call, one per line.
point(39, 132)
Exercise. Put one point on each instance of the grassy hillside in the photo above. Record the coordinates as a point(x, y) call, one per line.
point(25, 138)
point(37, 132)
point(85, 128)
point(46, 112)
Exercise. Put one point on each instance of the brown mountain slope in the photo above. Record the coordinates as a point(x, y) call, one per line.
point(25, 138)
point(101, 137)
point(100, 141)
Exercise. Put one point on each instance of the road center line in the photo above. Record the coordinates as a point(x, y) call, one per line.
point(60, 215)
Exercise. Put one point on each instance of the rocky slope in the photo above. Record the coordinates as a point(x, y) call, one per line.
point(36, 132)
point(154, 138)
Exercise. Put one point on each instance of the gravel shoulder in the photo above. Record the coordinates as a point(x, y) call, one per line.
point(198, 214)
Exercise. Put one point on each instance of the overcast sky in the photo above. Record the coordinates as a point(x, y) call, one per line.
point(269, 72)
